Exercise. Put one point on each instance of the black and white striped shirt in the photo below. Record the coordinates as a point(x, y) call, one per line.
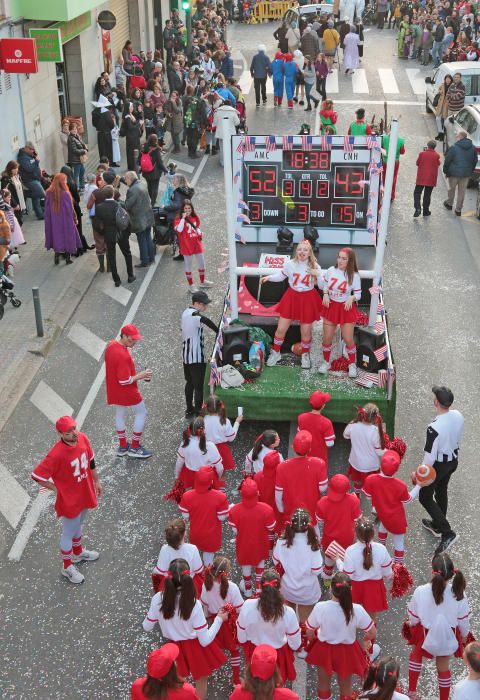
point(193, 346)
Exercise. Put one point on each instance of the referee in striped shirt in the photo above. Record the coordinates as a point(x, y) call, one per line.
point(193, 351)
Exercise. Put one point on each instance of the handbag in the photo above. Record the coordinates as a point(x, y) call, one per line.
point(436, 100)
point(230, 377)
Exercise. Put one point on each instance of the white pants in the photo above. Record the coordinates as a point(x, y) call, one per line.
point(140, 413)
point(187, 262)
point(398, 540)
point(71, 530)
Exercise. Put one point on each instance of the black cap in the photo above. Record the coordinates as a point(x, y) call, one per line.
point(444, 395)
point(201, 297)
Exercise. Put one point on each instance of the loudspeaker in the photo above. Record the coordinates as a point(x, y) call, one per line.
point(367, 341)
point(235, 344)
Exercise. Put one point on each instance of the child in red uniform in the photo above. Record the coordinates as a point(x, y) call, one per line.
point(219, 430)
point(265, 481)
point(162, 679)
point(177, 548)
point(366, 435)
point(266, 442)
point(206, 509)
point(187, 226)
point(320, 427)
point(218, 590)
point(336, 515)
point(389, 495)
point(301, 480)
point(263, 678)
point(251, 521)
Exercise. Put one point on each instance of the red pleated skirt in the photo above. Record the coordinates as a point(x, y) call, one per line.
point(359, 477)
point(226, 455)
point(371, 594)
point(418, 634)
point(188, 477)
point(285, 660)
point(196, 660)
point(305, 307)
point(225, 638)
point(335, 313)
point(343, 659)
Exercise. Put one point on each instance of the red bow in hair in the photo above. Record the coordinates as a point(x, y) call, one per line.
point(185, 572)
point(362, 413)
point(223, 574)
point(341, 584)
point(273, 583)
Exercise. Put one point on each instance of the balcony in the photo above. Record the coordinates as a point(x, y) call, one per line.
point(51, 10)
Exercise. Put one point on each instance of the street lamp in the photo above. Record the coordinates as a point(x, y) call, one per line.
point(187, 8)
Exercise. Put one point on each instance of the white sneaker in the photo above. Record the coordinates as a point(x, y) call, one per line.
point(192, 289)
point(375, 652)
point(206, 283)
point(306, 362)
point(324, 366)
point(352, 370)
point(86, 555)
point(246, 593)
point(73, 574)
point(273, 358)
point(302, 654)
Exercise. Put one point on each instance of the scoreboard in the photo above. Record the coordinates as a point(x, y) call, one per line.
point(332, 188)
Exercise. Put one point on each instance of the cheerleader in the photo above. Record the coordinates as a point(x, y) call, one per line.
point(265, 481)
point(334, 624)
point(219, 430)
point(382, 680)
point(301, 302)
point(341, 291)
point(216, 591)
point(389, 496)
point(336, 515)
point(368, 563)
point(266, 442)
point(368, 444)
point(320, 427)
point(439, 622)
point(195, 452)
point(469, 687)
point(267, 620)
point(177, 548)
point(187, 227)
point(162, 681)
point(251, 522)
point(181, 620)
point(262, 678)
point(206, 509)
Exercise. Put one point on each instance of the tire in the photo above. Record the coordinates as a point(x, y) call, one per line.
point(428, 109)
point(2, 311)
point(16, 303)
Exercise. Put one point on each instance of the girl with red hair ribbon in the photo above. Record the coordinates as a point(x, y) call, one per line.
point(367, 440)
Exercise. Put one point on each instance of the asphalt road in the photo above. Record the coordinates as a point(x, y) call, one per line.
point(67, 643)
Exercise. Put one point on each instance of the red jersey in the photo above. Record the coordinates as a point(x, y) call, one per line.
point(240, 693)
point(322, 432)
point(388, 495)
point(266, 493)
point(338, 519)
point(187, 692)
point(119, 370)
point(252, 523)
point(300, 479)
point(69, 468)
point(189, 235)
point(204, 510)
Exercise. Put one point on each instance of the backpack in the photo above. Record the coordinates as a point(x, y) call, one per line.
point(230, 377)
point(189, 116)
point(146, 162)
point(122, 219)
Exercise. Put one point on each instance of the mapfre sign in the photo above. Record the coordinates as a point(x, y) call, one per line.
point(18, 55)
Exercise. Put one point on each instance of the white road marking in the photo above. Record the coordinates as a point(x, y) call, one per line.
point(387, 78)
point(406, 103)
point(417, 80)
point(120, 294)
point(13, 498)
point(332, 82)
point(183, 166)
point(88, 341)
point(50, 403)
point(359, 81)
point(245, 82)
point(135, 250)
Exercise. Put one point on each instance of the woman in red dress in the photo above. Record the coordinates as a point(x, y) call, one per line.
point(187, 227)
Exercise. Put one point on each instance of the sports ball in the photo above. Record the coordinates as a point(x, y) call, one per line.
point(425, 475)
point(297, 349)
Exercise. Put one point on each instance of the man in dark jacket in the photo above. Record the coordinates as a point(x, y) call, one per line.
point(260, 70)
point(438, 34)
point(29, 169)
point(168, 39)
point(105, 214)
point(137, 203)
point(459, 165)
point(309, 43)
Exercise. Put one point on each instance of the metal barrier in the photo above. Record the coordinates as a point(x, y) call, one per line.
point(265, 11)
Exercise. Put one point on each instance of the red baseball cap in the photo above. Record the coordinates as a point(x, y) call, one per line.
point(319, 399)
point(390, 462)
point(338, 486)
point(132, 331)
point(263, 661)
point(65, 423)
point(160, 661)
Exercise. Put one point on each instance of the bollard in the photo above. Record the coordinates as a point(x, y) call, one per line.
point(38, 311)
point(136, 155)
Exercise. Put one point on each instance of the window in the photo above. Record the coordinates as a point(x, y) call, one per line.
point(469, 82)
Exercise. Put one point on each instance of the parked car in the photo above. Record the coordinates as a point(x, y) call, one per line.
point(470, 73)
point(308, 12)
point(467, 119)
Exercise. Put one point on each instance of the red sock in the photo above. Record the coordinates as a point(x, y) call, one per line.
point(277, 343)
point(444, 683)
point(414, 671)
point(67, 558)
point(352, 353)
point(77, 545)
point(235, 664)
point(327, 351)
point(306, 346)
point(258, 576)
point(382, 537)
point(202, 275)
point(122, 438)
point(189, 277)
point(398, 556)
point(136, 440)
point(248, 582)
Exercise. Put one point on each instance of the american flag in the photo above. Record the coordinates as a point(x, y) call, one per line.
point(214, 374)
point(379, 326)
point(250, 143)
point(306, 143)
point(270, 143)
point(348, 142)
point(375, 289)
point(241, 147)
point(287, 143)
point(326, 143)
point(381, 353)
point(237, 174)
point(382, 378)
point(371, 142)
point(335, 551)
point(239, 238)
point(242, 204)
point(366, 379)
point(381, 308)
point(242, 219)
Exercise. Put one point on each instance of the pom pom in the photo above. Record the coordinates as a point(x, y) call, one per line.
point(407, 632)
point(157, 582)
point(279, 568)
point(176, 492)
point(340, 364)
point(397, 445)
point(402, 581)
point(362, 319)
point(232, 619)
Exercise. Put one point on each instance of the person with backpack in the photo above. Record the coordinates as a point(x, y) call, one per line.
point(152, 166)
point(106, 224)
point(137, 204)
point(194, 120)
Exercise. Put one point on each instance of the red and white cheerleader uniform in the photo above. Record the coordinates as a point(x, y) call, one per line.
point(252, 522)
point(190, 243)
point(365, 452)
point(221, 435)
point(253, 466)
point(368, 587)
point(191, 458)
point(265, 481)
point(199, 654)
point(240, 693)
point(186, 551)
point(336, 515)
point(213, 602)
point(283, 635)
point(436, 630)
point(206, 509)
point(321, 429)
point(301, 569)
point(335, 648)
point(339, 289)
point(300, 482)
point(186, 692)
point(396, 695)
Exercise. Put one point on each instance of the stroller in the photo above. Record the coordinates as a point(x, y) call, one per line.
point(242, 115)
point(6, 290)
point(163, 230)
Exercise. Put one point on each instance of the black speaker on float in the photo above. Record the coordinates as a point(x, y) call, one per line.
point(235, 344)
point(367, 341)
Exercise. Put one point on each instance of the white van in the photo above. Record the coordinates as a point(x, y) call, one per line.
point(470, 72)
point(307, 12)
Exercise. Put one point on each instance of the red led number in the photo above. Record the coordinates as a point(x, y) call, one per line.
point(322, 188)
point(255, 211)
point(262, 181)
point(349, 182)
point(288, 188)
point(319, 160)
point(344, 213)
point(302, 212)
point(305, 188)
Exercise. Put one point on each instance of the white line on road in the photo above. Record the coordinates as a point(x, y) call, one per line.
point(417, 80)
point(49, 402)
point(245, 82)
point(406, 103)
point(332, 82)
point(387, 78)
point(13, 497)
point(120, 294)
point(88, 341)
point(359, 81)
point(184, 166)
